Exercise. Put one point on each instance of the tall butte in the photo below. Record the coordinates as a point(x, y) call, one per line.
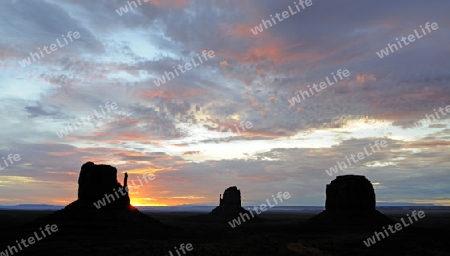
point(99, 182)
point(230, 204)
point(350, 203)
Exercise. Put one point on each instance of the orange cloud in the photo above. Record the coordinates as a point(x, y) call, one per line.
point(65, 173)
point(62, 153)
point(365, 78)
point(241, 30)
point(277, 51)
point(180, 145)
point(126, 153)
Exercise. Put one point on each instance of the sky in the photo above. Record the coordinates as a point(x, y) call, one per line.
point(227, 120)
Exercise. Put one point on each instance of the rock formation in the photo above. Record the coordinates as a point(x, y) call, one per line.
point(350, 193)
point(98, 182)
point(230, 204)
point(350, 203)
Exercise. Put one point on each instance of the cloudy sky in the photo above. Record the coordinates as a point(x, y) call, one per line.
point(187, 131)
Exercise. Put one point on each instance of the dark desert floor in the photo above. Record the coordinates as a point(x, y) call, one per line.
point(279, 233)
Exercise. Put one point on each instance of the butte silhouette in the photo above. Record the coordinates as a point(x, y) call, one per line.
point(230, 204)
point(350, 204)
point(229, 208)
point(116, 218)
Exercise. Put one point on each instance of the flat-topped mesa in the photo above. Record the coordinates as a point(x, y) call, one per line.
point(97, 181)
point(103, 206)
point(350, 205)
point(230, 204)
point(350, 193)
